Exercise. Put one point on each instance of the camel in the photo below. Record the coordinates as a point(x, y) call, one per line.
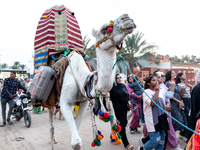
point(77, 73)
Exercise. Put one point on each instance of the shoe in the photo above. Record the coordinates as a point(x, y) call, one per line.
point(183, 138)
point(134, 108)
point(131, 147)
point(140, 148)
point(131, 130)
point(177, 148)
point(140, 140)
point(3, 124)
point(10, 123)
point(139, 126)
point(39, 112)
point(136, 131)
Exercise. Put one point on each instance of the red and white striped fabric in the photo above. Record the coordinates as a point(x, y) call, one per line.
point(54, 29)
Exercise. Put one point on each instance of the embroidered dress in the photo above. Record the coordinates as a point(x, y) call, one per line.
point(176, 113)
point(194, 142)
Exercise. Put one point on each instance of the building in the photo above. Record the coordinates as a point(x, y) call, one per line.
point(190, 69)
point(20, 74)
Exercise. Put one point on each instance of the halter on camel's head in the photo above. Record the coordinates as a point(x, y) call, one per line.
point(113, 34)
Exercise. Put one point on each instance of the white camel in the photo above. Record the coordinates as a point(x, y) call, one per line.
point(76, 74)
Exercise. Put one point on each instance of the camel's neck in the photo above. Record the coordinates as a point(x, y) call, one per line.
point(105, 62)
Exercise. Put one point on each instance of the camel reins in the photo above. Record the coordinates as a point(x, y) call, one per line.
point(110, 37)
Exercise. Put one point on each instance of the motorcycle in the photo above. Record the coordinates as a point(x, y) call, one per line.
point(21, 110)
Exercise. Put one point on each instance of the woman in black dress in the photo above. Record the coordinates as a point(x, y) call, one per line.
point(120, 99)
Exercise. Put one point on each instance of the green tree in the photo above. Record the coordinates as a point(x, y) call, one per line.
point(185, 58)
point(16, 65)
point(4, 66)
point(136, 48)
point(175, 59)
point(193, 58)
point(89, 52)
point(22, 66)
point(86, 41)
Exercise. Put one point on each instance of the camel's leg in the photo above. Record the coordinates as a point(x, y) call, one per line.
point(66, 109)
point(81, 112)
point(111, 111)
point(51, 129)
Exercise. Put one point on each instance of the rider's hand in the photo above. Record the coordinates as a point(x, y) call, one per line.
point(11, 96)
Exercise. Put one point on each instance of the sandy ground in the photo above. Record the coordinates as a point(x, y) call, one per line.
point(37, 136)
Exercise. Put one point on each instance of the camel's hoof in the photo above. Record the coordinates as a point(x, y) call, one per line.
point(77, 146)
point(55, 141)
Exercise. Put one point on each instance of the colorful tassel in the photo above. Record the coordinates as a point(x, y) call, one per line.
point(97, 45)
point(106, 115)
point(109, 30)
point(114, 137)
point(93, 144)
point(118, 141)
point(98, 143)
point(110, 118)
point(118, 128)
point(114, 127)
point(111, 24)
point(99, 132)
point(101, 113)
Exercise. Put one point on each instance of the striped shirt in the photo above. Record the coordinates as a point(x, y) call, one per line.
point(10, 87)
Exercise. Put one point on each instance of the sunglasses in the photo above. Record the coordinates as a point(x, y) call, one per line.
point(162, 75)
point(119, 78)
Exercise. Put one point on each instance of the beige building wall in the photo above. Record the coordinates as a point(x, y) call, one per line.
point(4, 75)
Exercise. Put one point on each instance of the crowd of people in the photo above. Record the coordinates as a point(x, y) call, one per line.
point(171, 93)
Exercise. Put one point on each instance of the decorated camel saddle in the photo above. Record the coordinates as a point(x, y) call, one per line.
point(57, 35)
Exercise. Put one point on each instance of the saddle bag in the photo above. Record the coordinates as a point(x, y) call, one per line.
point(42, 83)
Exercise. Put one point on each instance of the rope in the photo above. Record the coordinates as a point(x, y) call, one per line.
point(121, 58)
point(94, 125)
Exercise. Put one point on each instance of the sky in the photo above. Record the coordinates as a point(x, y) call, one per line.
point(173, 25)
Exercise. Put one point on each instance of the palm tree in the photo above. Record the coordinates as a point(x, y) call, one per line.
point(23, 66)
point(86, 41)
point(16, 65)
point(4, 66)
point(136, 48)
point(89, 52)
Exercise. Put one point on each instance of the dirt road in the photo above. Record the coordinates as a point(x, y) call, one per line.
point(19, 137)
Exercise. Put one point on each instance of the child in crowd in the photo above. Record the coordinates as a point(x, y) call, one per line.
point(155, 119)
point(137, 91)
point(17, 95)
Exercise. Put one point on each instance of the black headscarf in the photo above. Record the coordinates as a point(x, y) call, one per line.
point(119, 86)
point(129, 78)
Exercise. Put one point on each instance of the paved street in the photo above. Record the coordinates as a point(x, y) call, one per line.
point(37, 136)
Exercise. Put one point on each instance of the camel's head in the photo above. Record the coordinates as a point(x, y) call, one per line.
point(112, 34)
